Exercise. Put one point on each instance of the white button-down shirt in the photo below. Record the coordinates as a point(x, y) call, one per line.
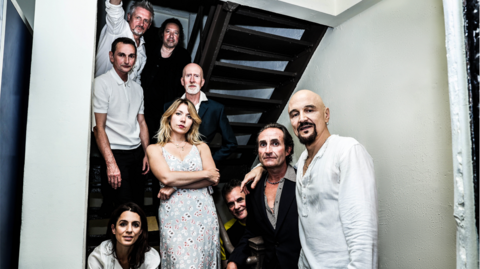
point(115, 27)
point(203, 98)
point(337, 207)
point(122, 102)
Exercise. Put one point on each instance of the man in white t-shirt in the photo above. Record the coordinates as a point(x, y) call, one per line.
point(139, 19)
point(336, 193)
point(120, 129)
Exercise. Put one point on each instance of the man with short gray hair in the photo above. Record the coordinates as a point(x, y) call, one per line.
point(139, 19)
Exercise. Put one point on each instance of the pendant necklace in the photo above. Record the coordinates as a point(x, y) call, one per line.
point(177, 145)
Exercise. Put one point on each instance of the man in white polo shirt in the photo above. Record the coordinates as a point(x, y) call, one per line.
point(139, 19)
point(120, 129)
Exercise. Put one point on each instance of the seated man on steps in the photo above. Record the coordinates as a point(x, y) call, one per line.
point(235, 199)
point(272, 207)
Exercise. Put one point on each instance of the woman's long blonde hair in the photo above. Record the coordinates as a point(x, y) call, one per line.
point(192, 136)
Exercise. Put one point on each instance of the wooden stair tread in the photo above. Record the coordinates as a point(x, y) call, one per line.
point(256, 40)
point(240, 101)
point(252, 16)
point(234, 83)
point(240, 148)
point(236, 71)
point(240, 53)
point(246, 128)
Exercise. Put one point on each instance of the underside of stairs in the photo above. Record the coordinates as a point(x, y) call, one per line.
point(252, 61)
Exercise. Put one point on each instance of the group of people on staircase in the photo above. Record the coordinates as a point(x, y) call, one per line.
point(136, 74)
point(324, 216)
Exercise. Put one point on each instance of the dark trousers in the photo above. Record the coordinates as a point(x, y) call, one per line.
point(155, 190)
point(132, 187)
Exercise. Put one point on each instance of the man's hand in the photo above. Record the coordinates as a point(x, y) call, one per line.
point(114, 176)
point(146, 166)
point(254, 175)
point(213, 176)
point(165, 192)
point(231, 265)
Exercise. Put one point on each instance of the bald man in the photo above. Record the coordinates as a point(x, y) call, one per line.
point(335, 191)
point(214, 118)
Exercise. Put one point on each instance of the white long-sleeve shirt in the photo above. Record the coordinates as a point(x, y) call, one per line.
point(116, 26)
point(337, 207)
point(102, 258)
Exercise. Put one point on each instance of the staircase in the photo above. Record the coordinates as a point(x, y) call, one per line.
point(252, 61)
point(252, 68)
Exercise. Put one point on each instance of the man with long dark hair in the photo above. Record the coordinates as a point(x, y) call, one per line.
point(166, 58)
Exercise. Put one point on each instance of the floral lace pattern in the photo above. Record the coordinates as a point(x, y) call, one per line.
point(188, 222)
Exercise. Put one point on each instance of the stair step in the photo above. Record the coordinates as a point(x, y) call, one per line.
point(231, 162)
point(262, 75)
point(94, 212)
point(260, 41)
point(230, 101)
point(240, 148)
point(226, 83)
point(251, 16)
point(246, 128)
point(240, 53)
point(234, 171)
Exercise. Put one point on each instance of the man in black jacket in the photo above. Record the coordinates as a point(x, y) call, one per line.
point(213, 115)
point(272, 207)
point(161, 75)
point(166, 59)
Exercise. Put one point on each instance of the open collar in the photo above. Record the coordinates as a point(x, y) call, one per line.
point(117, 78)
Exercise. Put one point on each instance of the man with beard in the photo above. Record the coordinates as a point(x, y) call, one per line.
point(336, 193)
point(139, 19)
point(272, 207)
point(213, 115)
point(161, 76)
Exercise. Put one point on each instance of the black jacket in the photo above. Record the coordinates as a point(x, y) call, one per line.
point(282, 243)
point(160, 79)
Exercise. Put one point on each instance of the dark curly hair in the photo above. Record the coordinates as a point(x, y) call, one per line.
point(229, 186)
point(161, 31)
point(287, 138)
point(137, 256)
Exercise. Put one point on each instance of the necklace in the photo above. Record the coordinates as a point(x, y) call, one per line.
point(274, 183)
point(177, 145)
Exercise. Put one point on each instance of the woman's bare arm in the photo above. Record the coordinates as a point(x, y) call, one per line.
point(162, 172)
point(207, 164)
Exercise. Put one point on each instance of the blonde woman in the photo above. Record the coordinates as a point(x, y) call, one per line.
point(186, 171)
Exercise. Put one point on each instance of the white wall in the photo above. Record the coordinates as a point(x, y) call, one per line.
point(383, 74)
point(58, 135)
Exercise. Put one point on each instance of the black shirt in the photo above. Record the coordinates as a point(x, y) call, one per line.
point(161, 80)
